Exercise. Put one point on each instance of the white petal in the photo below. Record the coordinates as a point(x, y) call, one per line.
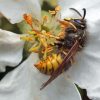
point(25, 81)
point(77, 4)
point(11, 48)
point(14, 9)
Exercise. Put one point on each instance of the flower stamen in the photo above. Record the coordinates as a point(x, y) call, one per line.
point(55, 11)
point(28, 19)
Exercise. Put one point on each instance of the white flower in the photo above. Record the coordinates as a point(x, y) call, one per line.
point(86, 71)
point(24, 82)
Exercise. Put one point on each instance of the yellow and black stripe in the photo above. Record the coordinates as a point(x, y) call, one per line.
point(49, 65)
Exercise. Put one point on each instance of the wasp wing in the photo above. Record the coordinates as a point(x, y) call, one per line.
point(67, 58)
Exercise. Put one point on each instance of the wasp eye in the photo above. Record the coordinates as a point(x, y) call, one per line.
point(78, 21)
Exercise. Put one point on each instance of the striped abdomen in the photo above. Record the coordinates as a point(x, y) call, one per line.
point(49, 65)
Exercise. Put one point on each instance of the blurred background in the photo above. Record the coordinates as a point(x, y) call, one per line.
point(21, 27)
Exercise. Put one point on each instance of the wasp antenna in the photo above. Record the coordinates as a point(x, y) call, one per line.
point(76, 12)
point(84, 14)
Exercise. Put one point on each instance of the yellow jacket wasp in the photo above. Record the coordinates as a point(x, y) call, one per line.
point(58, 50)
point(73, 40)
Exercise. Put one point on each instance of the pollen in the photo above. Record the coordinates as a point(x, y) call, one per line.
point(35, 48)
point(26, 38)
point(28, 18)
point(55, 11)
point(52, 12)
point(45, 18)
point(58, 8)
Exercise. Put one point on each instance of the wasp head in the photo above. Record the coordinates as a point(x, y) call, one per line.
point(80, 23)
